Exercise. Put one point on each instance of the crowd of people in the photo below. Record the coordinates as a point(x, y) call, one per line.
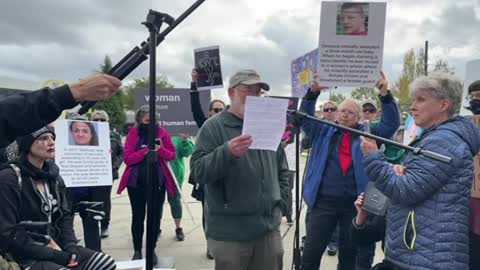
point(431, 221)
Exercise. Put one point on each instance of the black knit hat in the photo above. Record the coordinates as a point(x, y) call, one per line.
point(25, 142)
point(474, 87)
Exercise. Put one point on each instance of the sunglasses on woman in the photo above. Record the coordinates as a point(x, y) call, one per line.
point(370, 110)
point(332, 109)
point(99, 120)
point(217, 110)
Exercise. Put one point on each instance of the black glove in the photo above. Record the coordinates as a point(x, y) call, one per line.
point(61, 257)
point(74, 250)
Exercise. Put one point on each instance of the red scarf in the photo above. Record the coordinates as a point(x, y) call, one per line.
point(344, 152)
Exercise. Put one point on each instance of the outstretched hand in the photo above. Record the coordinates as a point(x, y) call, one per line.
point(316, 87)
point(382, 84)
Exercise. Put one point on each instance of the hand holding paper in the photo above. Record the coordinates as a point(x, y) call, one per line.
point(361, 213)
point(239, 145)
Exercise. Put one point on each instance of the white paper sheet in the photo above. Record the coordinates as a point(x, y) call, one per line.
point(265, 121)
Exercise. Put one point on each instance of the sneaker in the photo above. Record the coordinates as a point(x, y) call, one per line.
point(209, 255)
point(137, 255)
point(180, 234)
point(154, 259)
point(331, 250)
point(302, 243)
point(104, 233)
point(289, 221)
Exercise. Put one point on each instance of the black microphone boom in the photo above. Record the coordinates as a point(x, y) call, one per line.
point(414, 150)
point(139, 54)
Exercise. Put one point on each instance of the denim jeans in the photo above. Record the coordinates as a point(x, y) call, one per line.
point(365, 255)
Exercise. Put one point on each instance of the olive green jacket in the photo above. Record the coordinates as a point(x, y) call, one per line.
point(243, 196)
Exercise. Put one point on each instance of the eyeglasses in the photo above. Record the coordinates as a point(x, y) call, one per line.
point(254, 89)
point(99, 120)
point(217, 110)
point(370, 110)
point(332, 109)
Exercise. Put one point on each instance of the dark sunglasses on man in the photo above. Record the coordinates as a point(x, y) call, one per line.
point(217, 110)
point(332, 109)
point(99, 120)
point(370, 110)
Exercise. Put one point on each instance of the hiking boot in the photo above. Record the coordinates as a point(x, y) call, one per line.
point(209, 255)
point(104, 233)
point(154, 259)
point(331, 250)
point(137, 255)
point(180, 234)
point(289, 220)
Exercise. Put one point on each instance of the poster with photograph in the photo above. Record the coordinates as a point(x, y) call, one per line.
point(207, 64)
point(83, 153)
point(472, 73)
point(351, 43)
point(175, 107)
point(289, 134)
point(303, 69)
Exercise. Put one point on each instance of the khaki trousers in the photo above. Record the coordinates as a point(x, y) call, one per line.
point(265, 253)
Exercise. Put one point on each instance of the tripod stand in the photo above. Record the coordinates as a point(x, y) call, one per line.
point(121, 70)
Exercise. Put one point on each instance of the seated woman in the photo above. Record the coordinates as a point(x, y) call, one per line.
point(32, 190)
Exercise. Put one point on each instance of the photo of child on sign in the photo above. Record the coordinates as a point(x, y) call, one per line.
point(352, 19)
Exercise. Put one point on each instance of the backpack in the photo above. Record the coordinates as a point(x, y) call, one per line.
point(6, 262)
point(16, 169)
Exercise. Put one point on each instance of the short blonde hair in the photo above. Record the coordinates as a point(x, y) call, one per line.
point(99, 114)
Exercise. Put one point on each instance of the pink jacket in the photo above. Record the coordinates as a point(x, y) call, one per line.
point(131, 157)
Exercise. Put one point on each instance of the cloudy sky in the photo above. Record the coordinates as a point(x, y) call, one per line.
point(41, 39)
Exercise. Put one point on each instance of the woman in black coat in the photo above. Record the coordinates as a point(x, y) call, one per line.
point(31, 189)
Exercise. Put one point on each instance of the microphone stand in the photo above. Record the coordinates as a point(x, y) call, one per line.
point(139, 54)
point(297, 259)
point(153, 23)
point(414, 150)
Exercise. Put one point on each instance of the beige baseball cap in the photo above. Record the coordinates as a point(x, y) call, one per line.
point(248, 77)
point(369, 101)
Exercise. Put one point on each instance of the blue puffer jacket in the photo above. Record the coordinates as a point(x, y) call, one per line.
point(427, 226)
point(321, 136)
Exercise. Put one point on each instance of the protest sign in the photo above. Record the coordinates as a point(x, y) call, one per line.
point(82, 152)
point(174, 106)
point(351, 43)
point(207, 65)
point(289, 134)
point(303, 69)
point(412, 131)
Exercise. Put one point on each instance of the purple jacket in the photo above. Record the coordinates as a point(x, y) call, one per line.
point(131, 157)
